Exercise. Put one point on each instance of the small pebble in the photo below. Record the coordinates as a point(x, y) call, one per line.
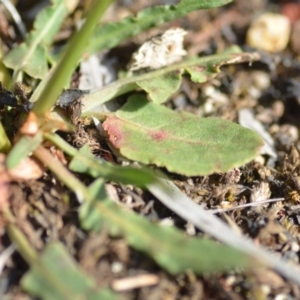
point(117, 267)
point(269, 32)
point(261, 80)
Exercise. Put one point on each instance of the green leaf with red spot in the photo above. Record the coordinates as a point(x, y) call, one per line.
point(181, 142)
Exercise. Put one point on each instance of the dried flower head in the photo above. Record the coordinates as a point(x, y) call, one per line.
point(160, 51)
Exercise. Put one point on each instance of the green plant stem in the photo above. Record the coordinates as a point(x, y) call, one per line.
point(61, 172)
point(210, 64)
point(22, 149)
point(59, 76)
point(60, 143)
point(82, 192)
point(16, 235)
point(126, 175)
point(5, 144)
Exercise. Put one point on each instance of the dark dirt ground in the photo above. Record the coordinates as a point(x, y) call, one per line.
point(46, 211)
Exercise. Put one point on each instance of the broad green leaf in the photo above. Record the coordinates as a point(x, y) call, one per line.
point(160, 84)
point(31, 55)
point(5, 144)
point(84, 162)
point(22, 149)
point(179, 141)
point(111, 34)
point(169, 247)
point(55, 275)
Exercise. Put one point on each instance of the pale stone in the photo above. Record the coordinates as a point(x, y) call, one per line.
point(269, 32)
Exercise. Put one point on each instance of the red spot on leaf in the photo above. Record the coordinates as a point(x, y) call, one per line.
point(113, 127)
point(159, 135)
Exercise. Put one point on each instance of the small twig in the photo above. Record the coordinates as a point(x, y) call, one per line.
point(223, 210)
point(212, 29)
point(130, 283)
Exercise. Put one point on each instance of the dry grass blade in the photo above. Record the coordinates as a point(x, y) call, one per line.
point(16, 17)
point(223, 210)
point(186, 208)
